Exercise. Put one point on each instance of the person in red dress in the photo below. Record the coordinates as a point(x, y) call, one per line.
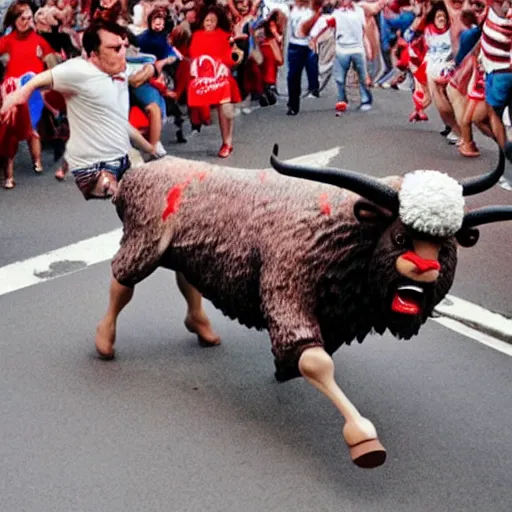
point(272, 50)
point(27, 51)
point(213, 55)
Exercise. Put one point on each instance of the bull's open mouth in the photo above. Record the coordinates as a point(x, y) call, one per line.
point(408, 300)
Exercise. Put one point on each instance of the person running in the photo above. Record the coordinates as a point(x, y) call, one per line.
point(28, 52)
point(348, 20)
point(496, 45)
point(300, 55)
point(96, 93)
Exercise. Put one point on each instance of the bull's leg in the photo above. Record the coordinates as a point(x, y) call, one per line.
point(130, 266)
point(196, 320)
point(120, 296)
point(317, 367)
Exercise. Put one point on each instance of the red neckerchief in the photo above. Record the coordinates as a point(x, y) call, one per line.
point(437, 31)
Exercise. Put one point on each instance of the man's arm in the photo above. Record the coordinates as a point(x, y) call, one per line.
point(43, 80)
point(306, 27)
point(139, 141)
point(372, 8)
point(142, 76)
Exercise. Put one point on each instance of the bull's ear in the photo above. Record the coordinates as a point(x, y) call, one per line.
point(467, 237)
point(369, 213)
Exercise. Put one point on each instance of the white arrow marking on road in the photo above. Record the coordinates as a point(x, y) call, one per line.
point(83, 254)
point(320, 159)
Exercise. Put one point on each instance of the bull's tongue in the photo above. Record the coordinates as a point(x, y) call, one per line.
point(404, 306)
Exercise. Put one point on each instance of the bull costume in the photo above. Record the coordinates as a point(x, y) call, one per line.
point(317, 261)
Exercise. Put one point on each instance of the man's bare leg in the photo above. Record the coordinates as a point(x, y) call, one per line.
point(196, 320)
point(34, 145)
point(120, 296)
point(317, 367)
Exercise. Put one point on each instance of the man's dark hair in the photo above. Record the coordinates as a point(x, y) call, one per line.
point(91, 39)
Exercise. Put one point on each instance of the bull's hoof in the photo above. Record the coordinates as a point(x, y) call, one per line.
point(368, 454)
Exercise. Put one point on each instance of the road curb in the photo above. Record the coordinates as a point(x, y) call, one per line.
point(476, 317)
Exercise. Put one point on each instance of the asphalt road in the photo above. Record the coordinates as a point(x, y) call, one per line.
point(171, 426)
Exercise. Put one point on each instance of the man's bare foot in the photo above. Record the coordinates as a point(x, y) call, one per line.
point(202, 327)
point(105, 339)
point(60, 174)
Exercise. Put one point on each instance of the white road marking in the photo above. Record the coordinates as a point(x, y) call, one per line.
point(456, 313)
point(485, 339)
point(472, 315)
point(40, 269)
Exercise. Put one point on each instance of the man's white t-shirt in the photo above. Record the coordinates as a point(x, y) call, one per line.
point(297, 17)
point(97, 110)
point(349, 26)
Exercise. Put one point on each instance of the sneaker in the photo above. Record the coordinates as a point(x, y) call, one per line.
point(451, 138)
point(365, 107)
point(180, 138)
point(160, 150)
point(341, 106)
point(246, 110)
point(505, 184)
point(445, 132)
point(291, 112)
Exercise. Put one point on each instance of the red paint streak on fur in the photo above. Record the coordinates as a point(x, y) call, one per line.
point(173, 200)
point(325, 207)
point(175, 193)
point(263, 176)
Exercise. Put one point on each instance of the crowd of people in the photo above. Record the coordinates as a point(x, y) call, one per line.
point(184, 59)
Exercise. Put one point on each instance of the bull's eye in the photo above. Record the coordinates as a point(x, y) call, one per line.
point(400, 239)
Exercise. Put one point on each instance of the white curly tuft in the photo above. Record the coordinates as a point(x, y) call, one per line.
point(431, 202)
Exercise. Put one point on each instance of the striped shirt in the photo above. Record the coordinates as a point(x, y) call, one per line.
point(496, 43)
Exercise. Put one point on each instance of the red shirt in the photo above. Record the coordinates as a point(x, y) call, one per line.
point(25, 53)
point(214, 43)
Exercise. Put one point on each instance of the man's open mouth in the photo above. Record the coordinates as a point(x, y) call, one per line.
point(408, 300)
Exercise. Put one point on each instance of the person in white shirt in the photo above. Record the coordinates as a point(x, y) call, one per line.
point(95, 89)
point(300, 55)
point(96, 93)
point(348, 21)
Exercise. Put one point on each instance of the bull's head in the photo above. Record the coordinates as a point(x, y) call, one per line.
point(413, 264)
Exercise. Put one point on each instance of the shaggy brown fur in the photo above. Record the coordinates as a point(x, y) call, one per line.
point(273, 252)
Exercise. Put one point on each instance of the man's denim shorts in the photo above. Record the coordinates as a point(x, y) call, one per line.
point(498, 89)
point(147, 94)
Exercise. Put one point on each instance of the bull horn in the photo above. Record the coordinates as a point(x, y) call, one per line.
point(487, 215)
point(484, 182)
point(365, 186)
